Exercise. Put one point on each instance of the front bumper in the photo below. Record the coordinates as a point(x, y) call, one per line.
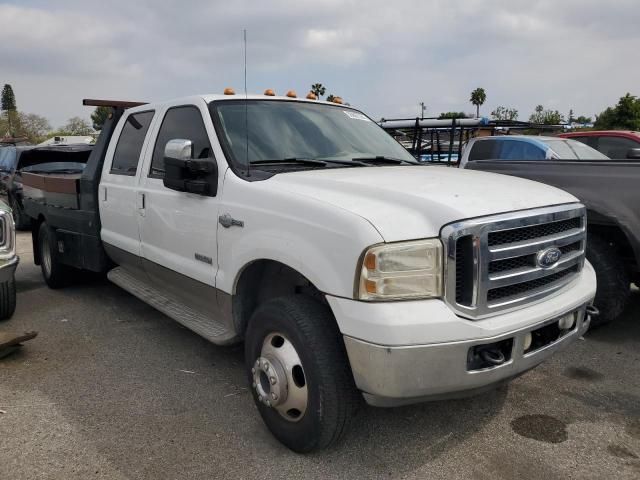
point(8, 268)
point(407, 352)
point(391, 376)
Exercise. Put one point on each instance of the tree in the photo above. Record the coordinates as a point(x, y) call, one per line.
point(570, 120)
point(8, 105)
point(77, 126)
point(99, 116)
point(8, 98)
point(33, 127)
point(447, 115)
point(330, 97)
point(318, 89)
point(624, 116)
point(478, 97)
point(546, 117)
point(582, 119)
point(504, 113)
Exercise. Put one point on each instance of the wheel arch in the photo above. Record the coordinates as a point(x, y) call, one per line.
point(264, 279)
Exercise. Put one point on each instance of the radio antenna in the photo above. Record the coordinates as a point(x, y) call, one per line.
point(246, 106)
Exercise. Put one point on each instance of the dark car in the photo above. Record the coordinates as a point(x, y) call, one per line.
point(15, 160)
point(613, 143)
point(9, 157)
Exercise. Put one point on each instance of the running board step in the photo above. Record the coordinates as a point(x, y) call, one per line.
point(201, 324)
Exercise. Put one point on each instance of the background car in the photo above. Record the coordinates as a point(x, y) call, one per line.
point(523, 147)
point(613, 143)
point(9, 157)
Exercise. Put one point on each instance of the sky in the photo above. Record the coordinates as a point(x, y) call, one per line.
point(383, 57)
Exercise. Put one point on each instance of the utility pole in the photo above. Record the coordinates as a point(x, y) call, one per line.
point(423, 109)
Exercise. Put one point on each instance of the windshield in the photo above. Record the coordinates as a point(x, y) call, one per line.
point(572, 150)
point(279, 130)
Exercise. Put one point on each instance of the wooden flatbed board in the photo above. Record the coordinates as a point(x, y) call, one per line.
point(55, 183)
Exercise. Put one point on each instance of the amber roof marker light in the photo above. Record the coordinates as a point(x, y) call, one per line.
point(311, 96)
point(292, 94)
point(269, 92)
point(229, 91)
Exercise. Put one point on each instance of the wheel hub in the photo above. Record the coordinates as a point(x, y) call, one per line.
point(270, 381)
point(278, 377)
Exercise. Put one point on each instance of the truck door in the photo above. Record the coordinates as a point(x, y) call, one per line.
point(118, 197)
point(178, 229)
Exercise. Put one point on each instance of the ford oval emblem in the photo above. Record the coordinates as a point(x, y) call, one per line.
point(548, 257)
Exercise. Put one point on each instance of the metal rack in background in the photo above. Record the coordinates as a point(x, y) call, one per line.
point(441, 140)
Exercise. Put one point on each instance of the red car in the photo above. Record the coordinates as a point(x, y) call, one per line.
point(613, 143)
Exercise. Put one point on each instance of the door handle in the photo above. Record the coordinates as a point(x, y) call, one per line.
point(227, 221)
point(141, 201)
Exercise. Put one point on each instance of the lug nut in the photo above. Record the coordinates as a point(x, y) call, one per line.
point(268, 403)
point(266, 367)
point(253, 370)
point(253, 384)
point(272, 380)
point(260, 398)
point(274, 396)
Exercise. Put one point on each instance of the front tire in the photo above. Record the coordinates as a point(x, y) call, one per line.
point(613, 280)
point(20, 218)
point(7, 299)
point(299, 372)
point(55, 274)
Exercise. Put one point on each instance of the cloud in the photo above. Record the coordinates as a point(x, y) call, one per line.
point(384, 57)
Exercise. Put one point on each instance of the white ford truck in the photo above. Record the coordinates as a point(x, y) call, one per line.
point(301, 228)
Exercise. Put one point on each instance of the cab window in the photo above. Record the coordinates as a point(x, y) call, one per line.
point(129, 146)
point(180, 123)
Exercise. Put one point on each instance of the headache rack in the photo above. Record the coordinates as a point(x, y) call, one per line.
point(493, 263)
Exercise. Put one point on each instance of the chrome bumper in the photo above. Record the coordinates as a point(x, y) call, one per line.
point(8, 268)
point(391, 376)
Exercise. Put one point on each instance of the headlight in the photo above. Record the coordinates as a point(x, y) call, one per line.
point(7, 236)
point(402, 270)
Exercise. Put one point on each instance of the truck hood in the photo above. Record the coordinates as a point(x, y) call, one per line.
point(405, 202)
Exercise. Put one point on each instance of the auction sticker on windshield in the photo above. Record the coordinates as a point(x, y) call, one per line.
point(356, 115)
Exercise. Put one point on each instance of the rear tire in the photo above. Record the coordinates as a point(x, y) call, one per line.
point(613, 280)
point(7, 299)
point(331, 395)
point(55, 274)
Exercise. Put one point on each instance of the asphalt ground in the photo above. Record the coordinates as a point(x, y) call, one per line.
point(113, 389)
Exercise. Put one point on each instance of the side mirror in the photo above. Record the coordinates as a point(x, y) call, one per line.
point(633, 153)
point(185, 174)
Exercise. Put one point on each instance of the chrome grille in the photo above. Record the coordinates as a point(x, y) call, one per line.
point(492, 261)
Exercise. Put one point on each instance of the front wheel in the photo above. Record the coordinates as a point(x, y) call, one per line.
point(299, 372)
point(614, 285)
point(7, 299)
point(20, 218)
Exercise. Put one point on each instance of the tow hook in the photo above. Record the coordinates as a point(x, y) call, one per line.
point(493, 356)
point(592, 311)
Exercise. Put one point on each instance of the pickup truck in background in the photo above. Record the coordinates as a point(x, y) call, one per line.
point(612, 143)
point(609, 190)
point(300, 227)
point(16, 160)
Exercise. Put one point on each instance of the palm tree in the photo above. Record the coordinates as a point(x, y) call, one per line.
point(478, 97)
point(318, 89)
point(330, 98)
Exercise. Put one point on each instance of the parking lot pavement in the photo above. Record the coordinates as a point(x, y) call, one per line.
point(113, 389)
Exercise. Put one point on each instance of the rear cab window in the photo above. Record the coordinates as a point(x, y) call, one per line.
point(129, 147)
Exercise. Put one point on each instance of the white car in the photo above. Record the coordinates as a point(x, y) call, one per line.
point(348, 269)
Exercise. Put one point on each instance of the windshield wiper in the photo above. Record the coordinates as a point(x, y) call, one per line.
point(381, 159)
point(280, 161)
point(310, 161)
